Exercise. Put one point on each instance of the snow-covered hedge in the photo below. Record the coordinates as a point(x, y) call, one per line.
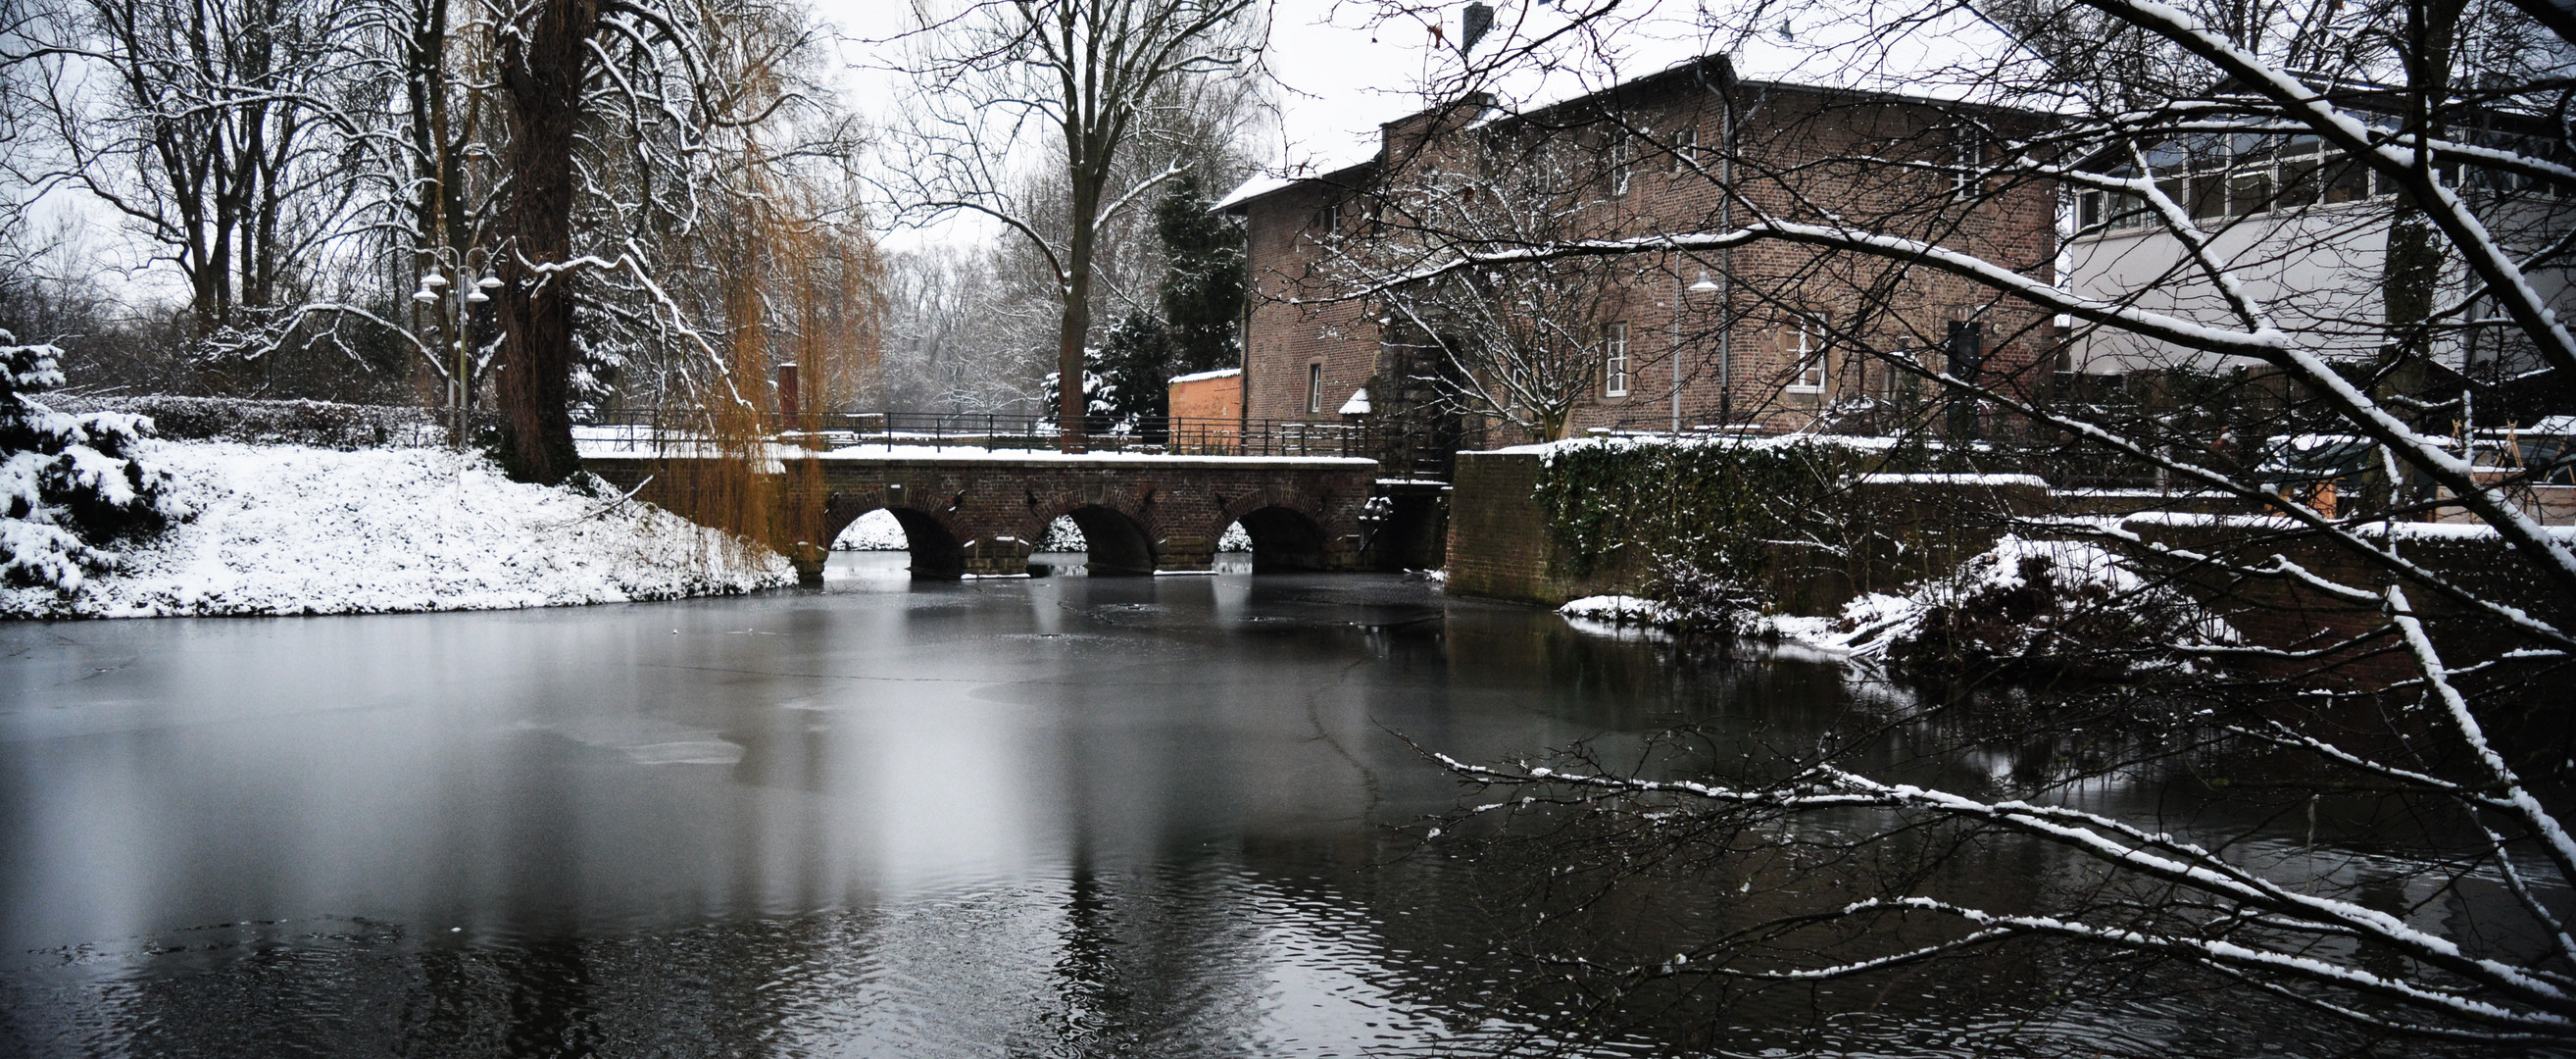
point(323, 423)
point(69, 486)
point(289, 529)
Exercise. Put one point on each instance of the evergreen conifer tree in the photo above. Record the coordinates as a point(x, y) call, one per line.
point(69, 484)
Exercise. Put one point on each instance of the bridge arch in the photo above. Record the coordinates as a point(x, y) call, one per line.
point(1284, 538)
point(1116, 543)
point(937, 549)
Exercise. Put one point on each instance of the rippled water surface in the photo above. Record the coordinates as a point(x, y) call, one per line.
point(1054, 816)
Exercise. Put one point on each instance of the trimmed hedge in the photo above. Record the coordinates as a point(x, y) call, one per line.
point(322, 424)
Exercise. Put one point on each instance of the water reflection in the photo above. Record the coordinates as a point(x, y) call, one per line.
point(1038, 816)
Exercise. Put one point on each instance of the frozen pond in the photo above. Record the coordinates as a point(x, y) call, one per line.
point(1053, 816)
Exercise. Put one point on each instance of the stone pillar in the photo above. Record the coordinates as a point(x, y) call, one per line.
point(1190, 554)
point(997, 556)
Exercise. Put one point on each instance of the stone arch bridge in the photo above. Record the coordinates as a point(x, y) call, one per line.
point(967, 512)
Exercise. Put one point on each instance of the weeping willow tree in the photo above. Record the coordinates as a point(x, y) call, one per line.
point(796, 286)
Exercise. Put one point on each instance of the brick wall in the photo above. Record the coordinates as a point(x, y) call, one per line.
point(1208, 398)
point(1296, 327)
point(2279, 613)
point(1501, 544)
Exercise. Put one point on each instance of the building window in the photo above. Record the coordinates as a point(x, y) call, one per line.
point(1807, 344)
point(2215, 177)
point(1967, 157)
point(1898, 384)
point(1329, 222)
point(1623, 161)
point(1614, 360)
point(1314, 388)
point(1686, 150)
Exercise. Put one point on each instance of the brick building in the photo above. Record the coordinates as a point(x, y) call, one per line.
point(1768, 336)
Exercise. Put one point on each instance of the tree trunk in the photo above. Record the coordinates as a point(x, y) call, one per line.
point(1072, 403)
point(541, 75)
point(2411, 274)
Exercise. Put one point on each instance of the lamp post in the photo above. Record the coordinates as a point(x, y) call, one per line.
point(434, 288)
point(1702, 287)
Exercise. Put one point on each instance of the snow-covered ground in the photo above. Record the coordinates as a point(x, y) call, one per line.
point(285, 529)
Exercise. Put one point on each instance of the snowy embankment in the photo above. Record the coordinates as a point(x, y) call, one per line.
point(286, 529)
point(2023, 600)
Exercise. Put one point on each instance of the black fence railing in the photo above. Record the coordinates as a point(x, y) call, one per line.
point(645, 429)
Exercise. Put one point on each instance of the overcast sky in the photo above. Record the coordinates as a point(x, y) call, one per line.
point(1336, 79)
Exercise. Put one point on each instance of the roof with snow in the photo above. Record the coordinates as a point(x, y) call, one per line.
point(1352, 175)
point(1220, 373)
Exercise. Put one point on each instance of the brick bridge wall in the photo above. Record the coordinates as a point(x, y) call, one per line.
point(981, 513)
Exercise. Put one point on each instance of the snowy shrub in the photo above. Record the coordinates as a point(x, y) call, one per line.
point(1099, 393)
point(1063, 535)
point(68, 485)
point(2042, 606)
point(876, 531)
point(1715, 505)
point(1696, 597)
point(1235, 539)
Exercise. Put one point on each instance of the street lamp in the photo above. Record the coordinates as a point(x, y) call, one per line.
point(1704, 286)
point(434, 288)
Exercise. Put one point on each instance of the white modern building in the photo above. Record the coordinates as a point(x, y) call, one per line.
point(2303, 232)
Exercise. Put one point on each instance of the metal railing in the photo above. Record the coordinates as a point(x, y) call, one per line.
point(646, 429)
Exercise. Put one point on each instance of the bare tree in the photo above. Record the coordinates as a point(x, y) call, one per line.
point(1516, 344)
point(636, 134)
point(955, 345)
point(1082, 79)
point(2267, 136)
point(222, 132)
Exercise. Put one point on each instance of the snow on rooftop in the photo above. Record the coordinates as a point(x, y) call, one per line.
point(1250, 190)
point(1220, 373)
point(1313, 167)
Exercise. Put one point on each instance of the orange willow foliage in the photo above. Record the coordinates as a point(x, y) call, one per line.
point(801, 284)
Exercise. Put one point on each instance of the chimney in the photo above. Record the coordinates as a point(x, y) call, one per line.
point(1473, 25)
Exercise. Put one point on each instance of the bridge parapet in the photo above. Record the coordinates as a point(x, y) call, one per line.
point(972, 513)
